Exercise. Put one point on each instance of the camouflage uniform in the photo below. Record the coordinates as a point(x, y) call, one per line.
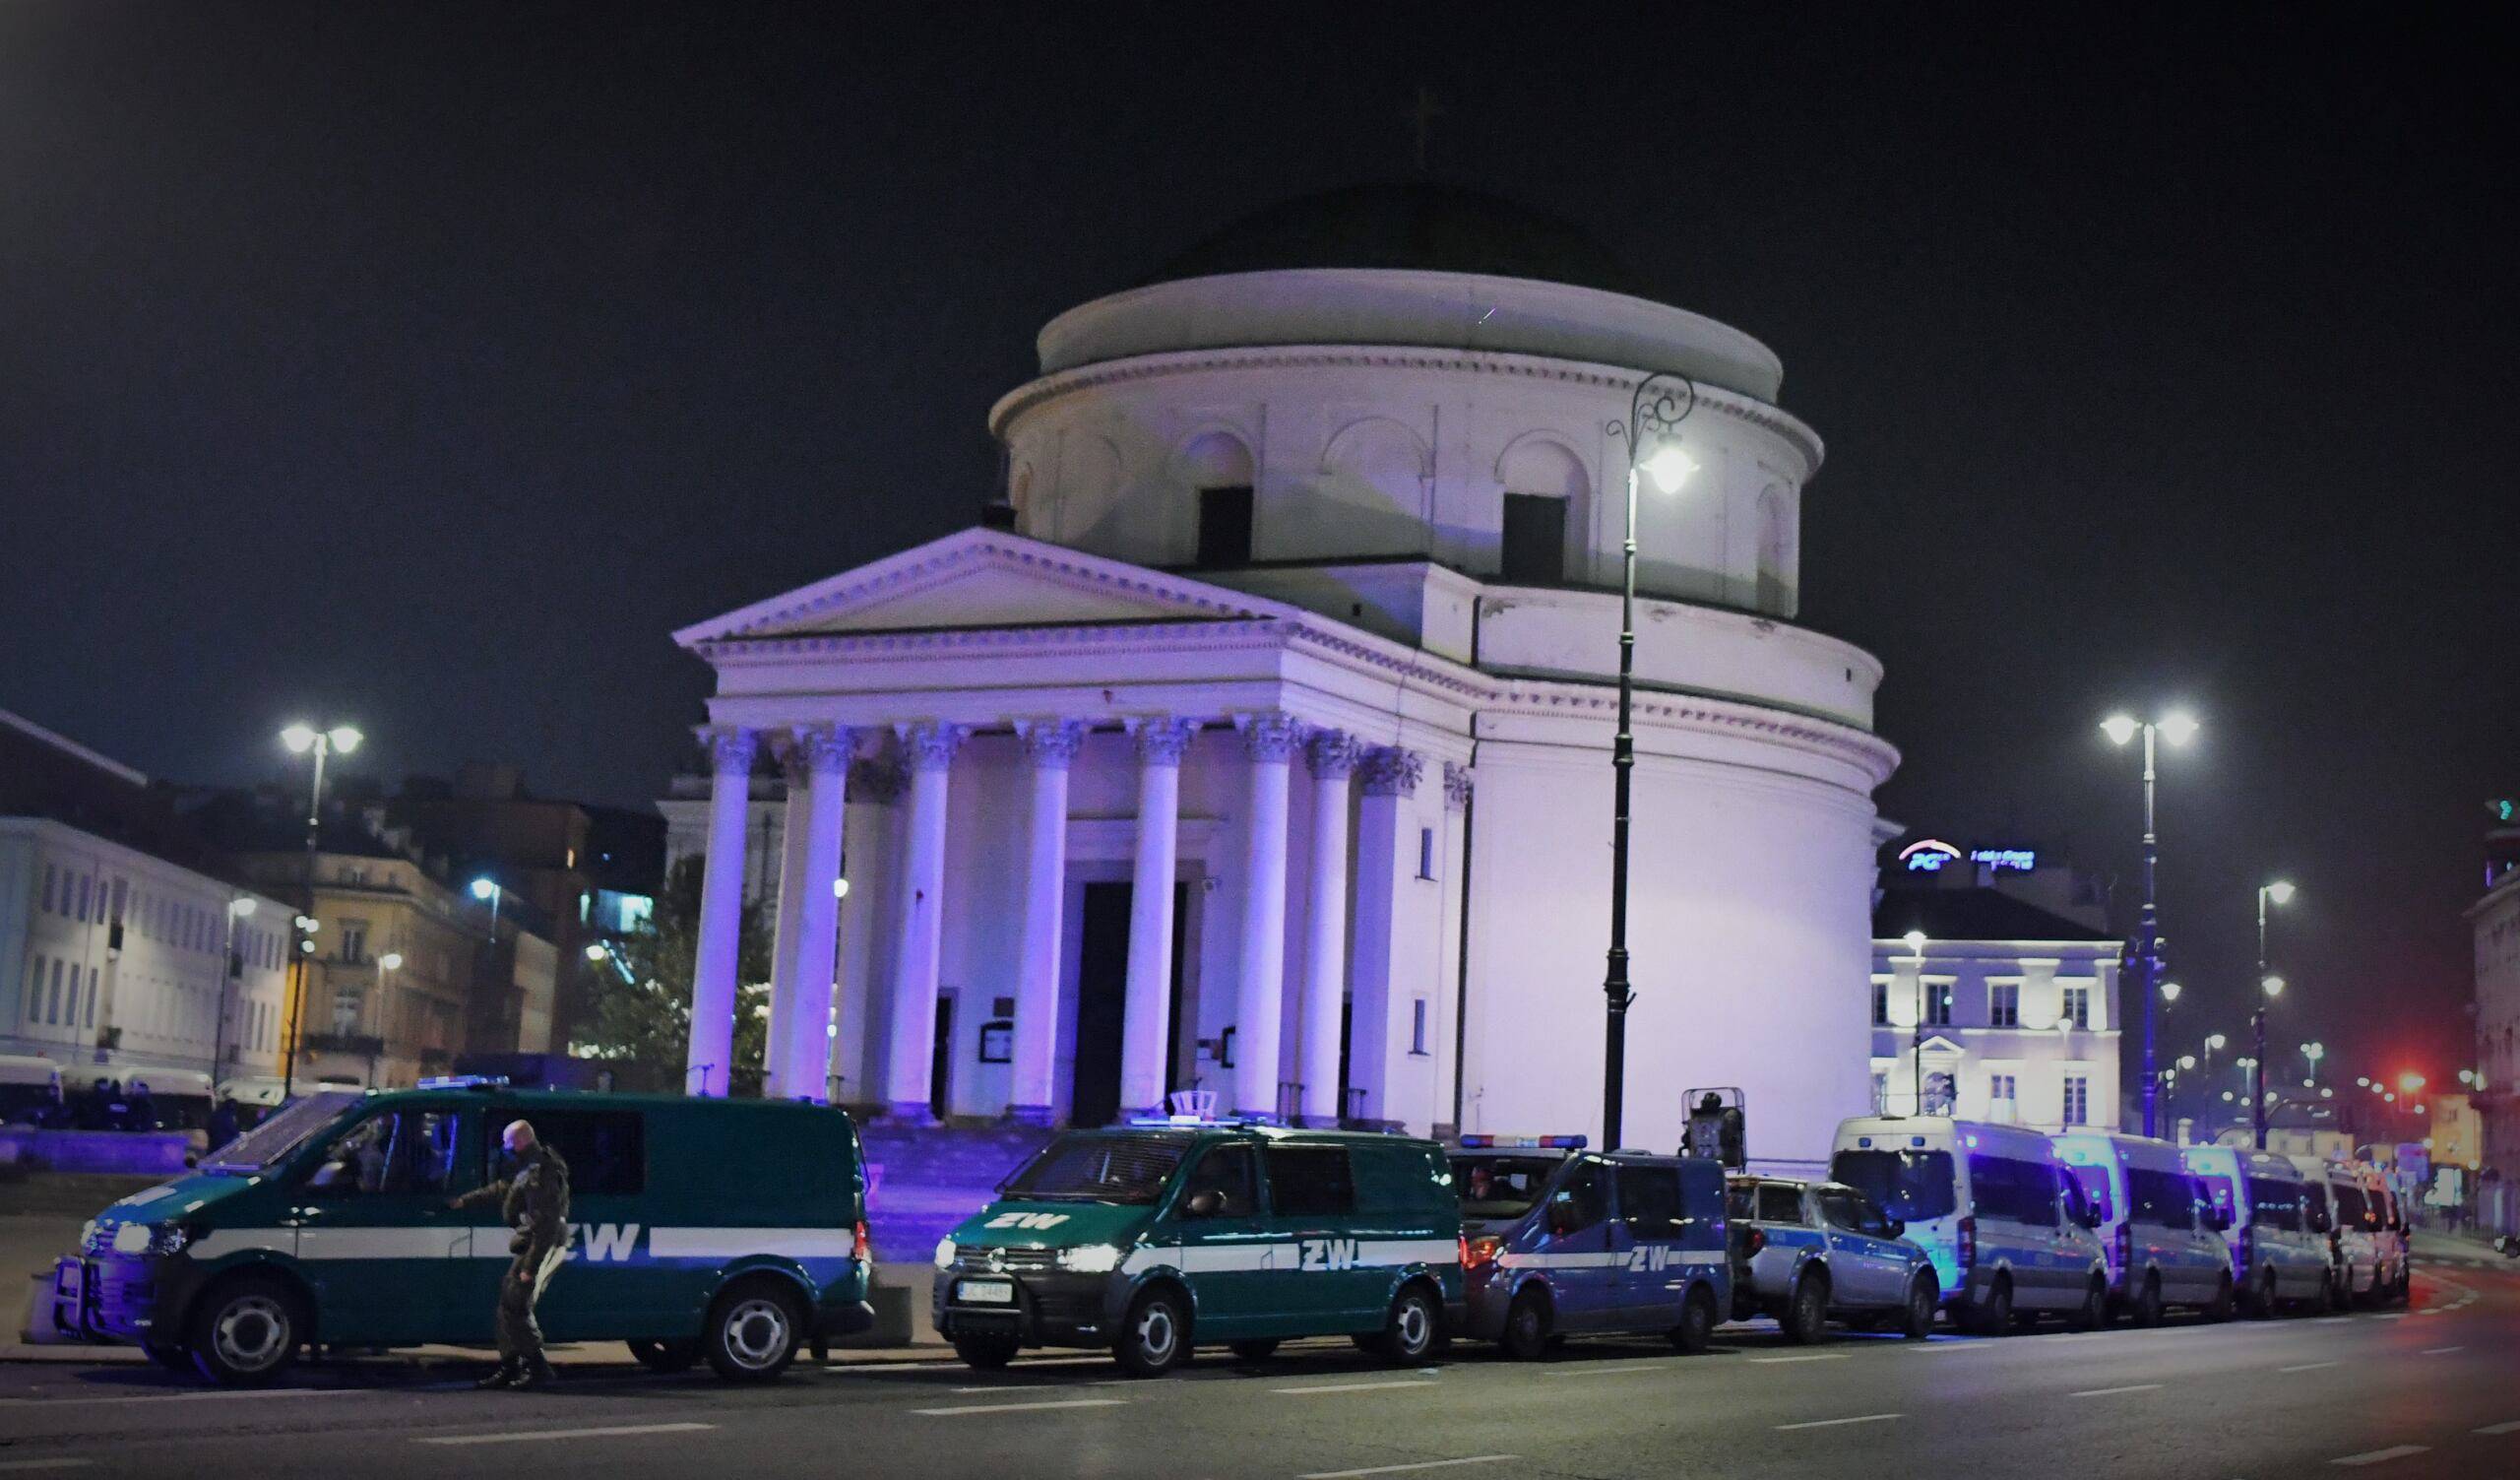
point(534, 1203)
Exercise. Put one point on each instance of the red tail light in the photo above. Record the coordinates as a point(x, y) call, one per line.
point(1758, 1241)
point(1479, 1253)
point(1968, 1243)
point(863, 1251)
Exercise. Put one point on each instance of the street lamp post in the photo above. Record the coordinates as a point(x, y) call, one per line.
point(304, 738)
point(1661, 404)
point(2176, 727)
point(228, 968)
point(1916, 1031)
point(2270, 987)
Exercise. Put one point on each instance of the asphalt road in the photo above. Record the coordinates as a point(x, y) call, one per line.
point(2430, 1391)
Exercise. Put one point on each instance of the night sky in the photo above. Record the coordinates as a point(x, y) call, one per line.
point(424, 366)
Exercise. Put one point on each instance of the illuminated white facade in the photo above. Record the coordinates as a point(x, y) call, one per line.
point(1255, 636)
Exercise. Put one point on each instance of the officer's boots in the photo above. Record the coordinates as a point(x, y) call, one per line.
point(538, 1372)
point(505, 1375)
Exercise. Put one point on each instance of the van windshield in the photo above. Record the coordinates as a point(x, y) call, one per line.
point(1501, 1187)
point(1091, 1168)
point(270, 1143)
point(1909, 1185)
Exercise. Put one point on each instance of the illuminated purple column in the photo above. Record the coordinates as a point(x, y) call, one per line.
point(1051, 745)
point(1146, 1033)
point(929, 749)
point(1269, 742)
point(721, 906)
point(805, 1059)
point(1330, 756)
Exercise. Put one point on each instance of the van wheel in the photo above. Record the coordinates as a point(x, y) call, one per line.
point(2148, 1301)
point(1925, 1293)
point(1526, 1323)
point(986, 1351)
point(1258, 1349)
point(664, 1356)
point(2093, 1314)
point(1154, 1337)
point(1412, 1330)
point(1807, 1313)
point(2224, 1301)
point(753, 1332)
point(246, 1331)
point(1697, 1321)
point(1994, 1313)
point(2261, 1294)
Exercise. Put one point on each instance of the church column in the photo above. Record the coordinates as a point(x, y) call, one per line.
point(783, 937)
point(930, 752)
point(1448, 1004)
point(722, 905)
point(1383, 860)
point(805, 1046)
point(1330, 756)
point(1051, 745)
point(1269, 740)
point(1146, 1033)
point(865, 919)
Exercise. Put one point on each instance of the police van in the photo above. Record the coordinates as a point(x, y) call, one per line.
point(730, 1230)
point(2009, 1231)
point(1147, 1238)
point(2155, 1226)
point(2259, 1200)
point(1560, 1241)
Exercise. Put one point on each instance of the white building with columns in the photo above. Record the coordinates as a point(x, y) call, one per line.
point(1268, 754)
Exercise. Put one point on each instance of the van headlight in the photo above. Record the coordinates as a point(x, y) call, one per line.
point(945, 1253)
point(1090, 1258)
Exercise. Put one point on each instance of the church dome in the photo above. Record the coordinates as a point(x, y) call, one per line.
point(1409, 227)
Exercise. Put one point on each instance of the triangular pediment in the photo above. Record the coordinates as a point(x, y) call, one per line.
point(1937, 1044)
point(982, 578)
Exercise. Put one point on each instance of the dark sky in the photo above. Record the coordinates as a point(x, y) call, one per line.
point(425, 366)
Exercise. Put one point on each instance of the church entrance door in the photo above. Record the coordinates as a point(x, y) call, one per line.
point(1102, 1000)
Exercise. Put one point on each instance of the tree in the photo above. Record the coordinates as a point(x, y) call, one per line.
point(641, 998)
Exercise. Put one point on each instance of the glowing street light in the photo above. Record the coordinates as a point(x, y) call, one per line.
point(2187, 1062)
point(2170, 993)
point(2177, 726)
point(2410, 1082)
point(302, 739)
point(2277, 893)
point(2216, 1042)
point(1654, 414)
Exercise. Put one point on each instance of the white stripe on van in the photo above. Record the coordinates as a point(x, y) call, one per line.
point(1293, 1255)
point(599, 1242)
point(735, 1243)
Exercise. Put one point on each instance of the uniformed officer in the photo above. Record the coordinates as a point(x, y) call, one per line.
point(534, 1201)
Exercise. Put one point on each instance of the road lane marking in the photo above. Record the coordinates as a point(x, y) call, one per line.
point(2512, 1427)
point(533, 1436)
point(2436, 1351)
point(19, 1466)
point(196, 1397)
point(2374, 1456)
point(2307, 1367)
point(1813, 1357)
point(1356, 1387)
point(1831, 1423)
point(1395, 1469)
point(2113, 1391)
point(963, 1408)
point(1949, 1344)
point(1609, 1370)
point(2390, 1315)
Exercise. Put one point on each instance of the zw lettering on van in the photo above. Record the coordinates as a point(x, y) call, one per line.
point(1327, 1253)
point(1651, 1258)
point(1027, 1220)
point(601, 1242)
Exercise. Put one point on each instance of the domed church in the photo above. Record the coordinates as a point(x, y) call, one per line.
point(1260, 761)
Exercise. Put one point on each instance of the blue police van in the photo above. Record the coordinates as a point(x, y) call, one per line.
point(1559, 1240)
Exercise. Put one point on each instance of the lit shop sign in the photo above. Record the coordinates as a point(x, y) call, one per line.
point(1930, 855)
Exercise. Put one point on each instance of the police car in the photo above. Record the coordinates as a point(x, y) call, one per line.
point(729, 1230)
point(1561, 1241)
point(1147, 1238)
point(1820, 1249)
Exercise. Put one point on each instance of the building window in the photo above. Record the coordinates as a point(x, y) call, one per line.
point(1880, 1092)
point(48, 877)
point(1427, 853)
point(2078, 1007)
point(1225, 526)
point(353, 939)
point(1880, 1002)
point(2003, 1099)
point(2077, 1100)
point(92, 996)
point(35, 993)
point(1534, 539)
point(83, 897)
point(1418, 1027)
point(2004, 1005)
point(52, 999)
point(1939, 1004)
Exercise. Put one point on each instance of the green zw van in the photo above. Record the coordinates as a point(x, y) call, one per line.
point(730, 1230)
point(1145, 1237)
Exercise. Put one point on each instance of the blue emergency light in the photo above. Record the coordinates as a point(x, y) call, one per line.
point(1519, 1142)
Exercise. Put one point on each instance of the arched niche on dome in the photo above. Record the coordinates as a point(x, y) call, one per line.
point(1088, 507)
point(1368, 496)
point(1215, 458)
point(1547, 501)
point(1221, 477)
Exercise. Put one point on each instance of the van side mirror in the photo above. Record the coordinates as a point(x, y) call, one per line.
point(1205, 1204)
point(1894, 1228)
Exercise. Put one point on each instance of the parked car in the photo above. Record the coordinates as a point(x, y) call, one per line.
point(727, 1229)
point(1822, 1250)
point(2009, 1231)
point(2342, 1210)
point(2277, 1256)
point(1144, 1239)
point(1559, 1240)
point(2162, 1246)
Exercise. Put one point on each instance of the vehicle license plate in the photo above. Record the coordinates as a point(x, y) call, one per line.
point(990, 1292)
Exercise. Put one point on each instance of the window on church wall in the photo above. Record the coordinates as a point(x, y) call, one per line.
point(1881, 1004)
point(1533, 548)
point(1939, 1004)
point(2078, 1007)
point(2004, 1005)
point(1225, 528)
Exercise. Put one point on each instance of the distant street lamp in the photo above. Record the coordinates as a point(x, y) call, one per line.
point(2280, 893)
point(302, 739)
point(230, 968)
point(2169, 994)
point(1661, 404)
point(1917, 1032)
point(2176, 727)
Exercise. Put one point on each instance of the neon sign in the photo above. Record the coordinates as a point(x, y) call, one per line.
point(2006, 860)
point(1927, 855)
